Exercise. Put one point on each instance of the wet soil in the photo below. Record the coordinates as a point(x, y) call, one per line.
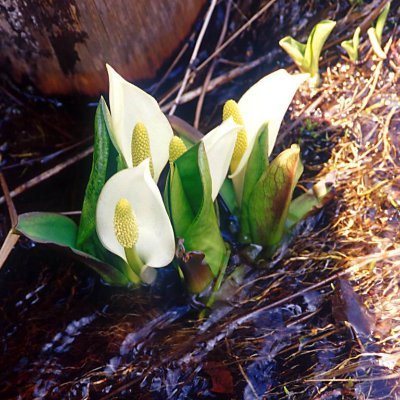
point(319, 321)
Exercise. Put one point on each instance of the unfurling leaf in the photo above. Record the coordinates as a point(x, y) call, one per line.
point(270, 200)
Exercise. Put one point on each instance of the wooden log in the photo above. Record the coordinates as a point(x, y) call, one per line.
point(61, 46)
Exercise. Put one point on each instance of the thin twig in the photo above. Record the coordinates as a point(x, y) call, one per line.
point(246, 378)
point(236, 34)
point(218, 81)
point(171, 67)
point(38, 115)
point(11, 238)
point(212, 67)
point(8, 245)
point(48, 174)
point(221, 48)
point(252, 314)
point(12, 212)
point(46, 158)
point(194, 55)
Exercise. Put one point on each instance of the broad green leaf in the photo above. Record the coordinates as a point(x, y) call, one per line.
point(48, 228)
point(190, 182)
point(120, 163)
point(194, 185)
point(256, 165)
point(98, 174)
point(94, 247)
point(182, 212)
point(61, 232)
point(271, 197)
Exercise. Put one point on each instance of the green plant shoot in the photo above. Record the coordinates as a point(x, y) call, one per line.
point(306, 56)
point(351, 45)
point(82, 242)
point(375, 33)
point(188, 198)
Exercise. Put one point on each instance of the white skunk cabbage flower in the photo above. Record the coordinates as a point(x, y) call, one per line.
point(133, 113)
point(132, 222)
point(219, 145)
point(266, 101)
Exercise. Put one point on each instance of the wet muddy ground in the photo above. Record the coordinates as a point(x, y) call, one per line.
point(319, 321)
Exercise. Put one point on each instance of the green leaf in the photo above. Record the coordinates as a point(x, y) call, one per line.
point(181, 213)
point(302, 205)
point(256, 165)
point(195, 182)
point(270, 199)
point(60, 231)
point(228, 195)
point(98, 174)
point(191, 207)
point(48, 228)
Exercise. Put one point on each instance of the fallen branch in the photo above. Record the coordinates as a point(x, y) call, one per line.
point(48, 174)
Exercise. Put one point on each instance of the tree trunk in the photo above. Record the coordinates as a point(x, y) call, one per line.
point(62, 46)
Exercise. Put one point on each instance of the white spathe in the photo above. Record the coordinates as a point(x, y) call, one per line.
point(130, 105)
point(156, 243)
point(219, 145)
point(266, 101)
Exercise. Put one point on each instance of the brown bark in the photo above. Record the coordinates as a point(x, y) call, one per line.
point(62, 45)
